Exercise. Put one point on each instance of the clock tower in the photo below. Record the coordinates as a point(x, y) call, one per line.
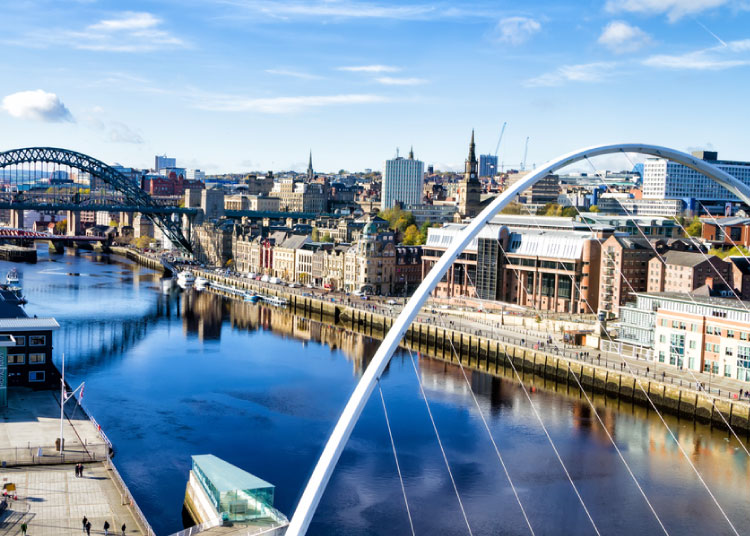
point(470, 191)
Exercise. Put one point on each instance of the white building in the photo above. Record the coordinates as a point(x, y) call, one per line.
point(403, 181)
point(663, 179)
point(195, 175)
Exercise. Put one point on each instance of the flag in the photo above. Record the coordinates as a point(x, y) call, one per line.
point(80, 395)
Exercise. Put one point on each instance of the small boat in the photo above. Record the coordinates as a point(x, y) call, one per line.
point(252, 298)
point(185, 277)
point(200, 283)
point(274, 300)
point(12, 277)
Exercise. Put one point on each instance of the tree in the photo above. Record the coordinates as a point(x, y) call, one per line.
point(327, 237)
point(737, 251)
point(316, 235)
point(61, 227)
point(594, 208)
point(513, 208)
point(412, 236)
point(569, 212)
point(695, 227)
point(142, 242)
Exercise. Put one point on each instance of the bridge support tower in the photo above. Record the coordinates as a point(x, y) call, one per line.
point(16, 219)
point(74, 223)
point(56, 246)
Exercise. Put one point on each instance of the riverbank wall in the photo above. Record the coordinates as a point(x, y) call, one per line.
point(502, 358)
point(140, 258)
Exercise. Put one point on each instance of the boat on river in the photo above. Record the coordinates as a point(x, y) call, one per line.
point(12, 277)
point(201, 283)
point(185, 279)
point(252, 298)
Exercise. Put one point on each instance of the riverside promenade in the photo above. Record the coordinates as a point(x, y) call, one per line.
point(51, 499)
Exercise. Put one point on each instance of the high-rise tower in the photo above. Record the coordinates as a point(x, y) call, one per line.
point(470, 191)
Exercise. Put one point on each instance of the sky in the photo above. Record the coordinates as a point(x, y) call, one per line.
point(240, 85)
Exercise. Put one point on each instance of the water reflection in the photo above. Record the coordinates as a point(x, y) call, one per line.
point(180, 373)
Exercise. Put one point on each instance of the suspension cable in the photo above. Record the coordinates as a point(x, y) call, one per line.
point(395, 457)
point(440, 443)
point(489, 433)
point(588, 400)
point(688, 369)
point(671, 433)
point(596, 412)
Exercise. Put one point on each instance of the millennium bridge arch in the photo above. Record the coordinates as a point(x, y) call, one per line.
point(132, 194)
point(337, 441)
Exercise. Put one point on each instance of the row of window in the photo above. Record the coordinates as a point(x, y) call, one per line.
point(34, 375)
point(34, 340)
point(20, 359)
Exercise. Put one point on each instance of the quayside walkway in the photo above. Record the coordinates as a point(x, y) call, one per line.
point(51, 499)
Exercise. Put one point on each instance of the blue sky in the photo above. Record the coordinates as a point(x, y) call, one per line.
point(235, 85)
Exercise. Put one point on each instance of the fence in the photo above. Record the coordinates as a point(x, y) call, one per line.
point(127, 499)
point(46, 455)
point(627, 350)
point(200, 528)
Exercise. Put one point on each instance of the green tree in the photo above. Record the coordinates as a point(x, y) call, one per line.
point(61, 227)
point(513, 208)
point(695, 227)
point(569, 212)
point(594, 208)
point(398, 219)
point(142, 242)
point(412, 236)
point(327, 237)
point(316, 235)
point(737, 251)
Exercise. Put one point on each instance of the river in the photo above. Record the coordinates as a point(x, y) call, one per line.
point(172, 375)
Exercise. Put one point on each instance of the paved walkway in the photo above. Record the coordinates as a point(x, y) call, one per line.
point(32, 420)
point(52, 501)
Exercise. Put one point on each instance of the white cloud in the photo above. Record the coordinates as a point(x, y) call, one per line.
point(293, 74)
point(585, 72)
point(112, 131)
point(348, 9)
point(675, 9)
point(619, 37)
point(370, 69)
point(517, 30)
point(392, 81)
point(710, 59)
point(38, 105)
point(280, 105)
point(127, 21)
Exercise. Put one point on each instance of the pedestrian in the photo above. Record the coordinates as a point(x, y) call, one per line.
point(23, 528)
point(85, 520)
point(647, 370)
point(88, 528)
point(106, 528)
point(740, 393)
point(81, 470)
point(123, 529)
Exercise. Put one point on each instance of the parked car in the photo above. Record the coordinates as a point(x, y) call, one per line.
point(265, 278)
point(294, 285)
point(391, 302)
point(274, 281)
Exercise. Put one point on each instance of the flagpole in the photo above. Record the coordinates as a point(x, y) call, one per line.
point(62, 401)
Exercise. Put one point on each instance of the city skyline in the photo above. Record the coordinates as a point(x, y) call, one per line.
point(254, 85)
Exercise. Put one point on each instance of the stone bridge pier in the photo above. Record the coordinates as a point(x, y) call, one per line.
point(16, 219)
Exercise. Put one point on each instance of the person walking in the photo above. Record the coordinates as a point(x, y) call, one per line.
point(24, 527)
point(106, 528)
point(88, 528)
point(123, 529)
point(80, 470)
point(84, 521)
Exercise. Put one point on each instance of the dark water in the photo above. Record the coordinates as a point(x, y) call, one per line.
point(169, 376)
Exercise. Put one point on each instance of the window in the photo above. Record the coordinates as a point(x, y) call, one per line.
point(16, 359)
point(661, 357)
point(710, 330)
point(692, 345)
point(728, 351)
point(20, 340)
point(36, 376)
point(730, 333)
point(36, 358)
point(662, 338)
point(37, 340)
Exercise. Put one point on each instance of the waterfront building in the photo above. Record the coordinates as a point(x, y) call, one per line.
point(285, 257)
point(469, 191)
point(408, 269)
point(369, 264)
point(403, 180)
point(685, 271)
point(624, 270)
point(28, 361)
point(542, 269)
point(664, 179)
point(488, 165)
point(701, 331)
point(212, 242)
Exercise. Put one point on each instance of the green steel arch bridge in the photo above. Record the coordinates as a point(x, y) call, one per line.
point(49, 179)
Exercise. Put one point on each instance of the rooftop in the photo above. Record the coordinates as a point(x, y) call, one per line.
point(227, 477)
point(686, 258)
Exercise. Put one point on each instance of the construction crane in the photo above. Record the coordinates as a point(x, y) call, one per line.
point(525, 154)
point(500, 139)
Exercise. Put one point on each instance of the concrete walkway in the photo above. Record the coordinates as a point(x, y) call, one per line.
point(52, 501)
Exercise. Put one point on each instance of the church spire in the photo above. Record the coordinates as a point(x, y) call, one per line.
point(411, 153)
point(472, 153)
point(310, 173)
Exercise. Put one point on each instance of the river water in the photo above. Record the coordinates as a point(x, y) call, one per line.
point(172, 375)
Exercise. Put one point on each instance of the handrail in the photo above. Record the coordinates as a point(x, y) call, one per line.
point(139, 516)
point(195, 529)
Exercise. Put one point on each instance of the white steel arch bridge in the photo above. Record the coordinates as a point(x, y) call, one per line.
point(337, 441)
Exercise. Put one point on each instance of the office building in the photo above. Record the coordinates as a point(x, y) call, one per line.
point(663, 179)
point(195, 175)
point(164, 162)
point(403, 181)
point(488, 165)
